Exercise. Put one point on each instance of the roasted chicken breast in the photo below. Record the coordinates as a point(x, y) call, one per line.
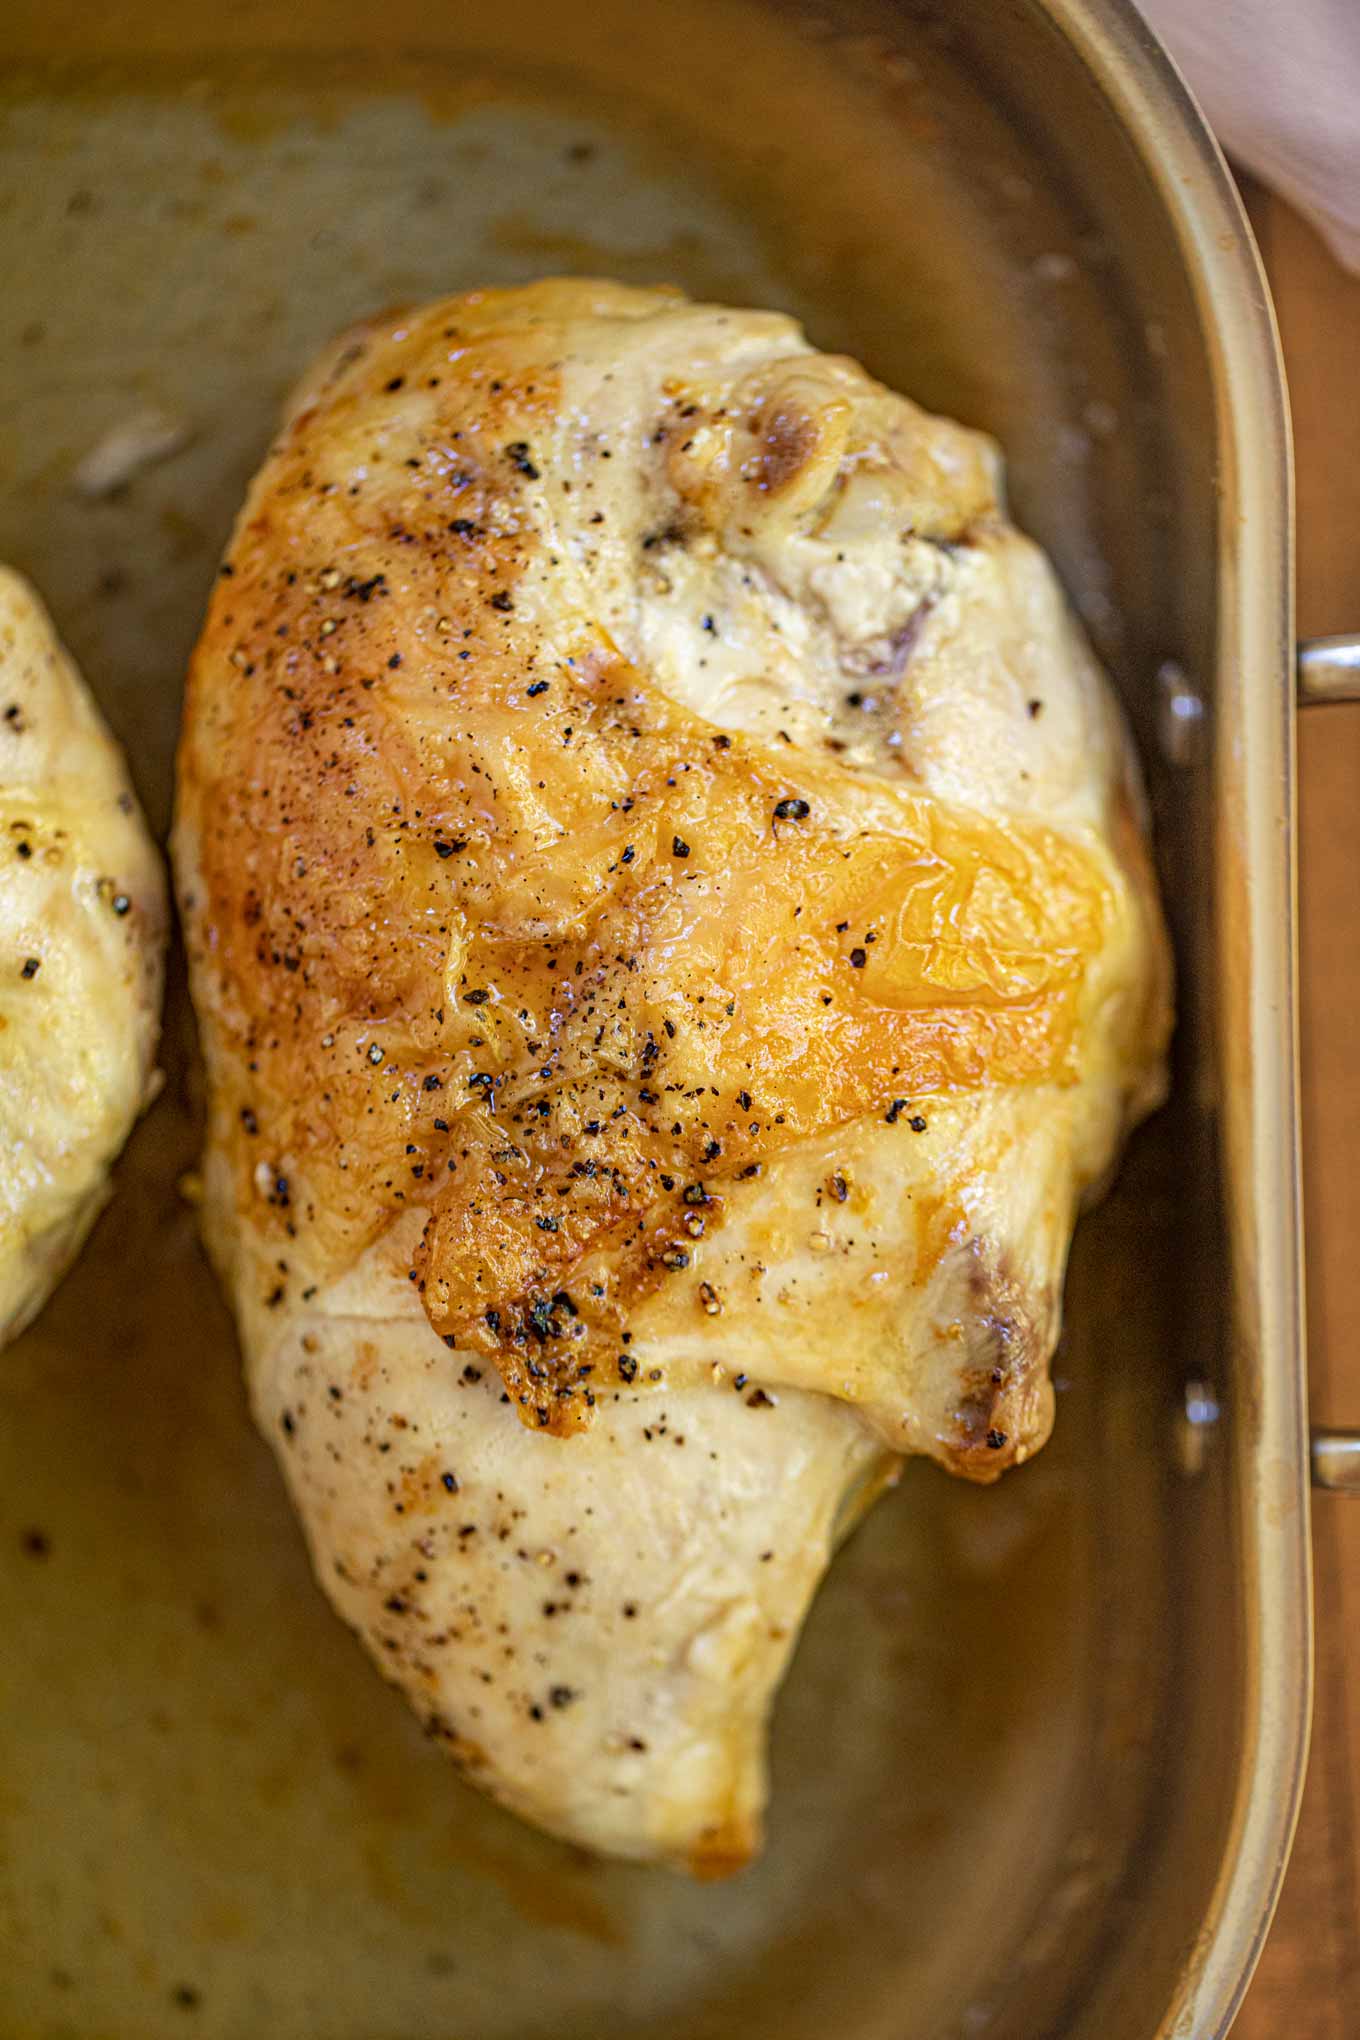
point(673, 939)
point(82, 936)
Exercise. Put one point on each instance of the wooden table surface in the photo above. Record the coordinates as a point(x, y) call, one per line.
point(1308, 1984)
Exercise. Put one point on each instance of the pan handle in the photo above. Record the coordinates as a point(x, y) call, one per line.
point(1335, 1457)
point(1329, 670)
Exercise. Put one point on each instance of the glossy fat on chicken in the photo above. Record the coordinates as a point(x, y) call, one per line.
point(674, 943)
point(82, 933)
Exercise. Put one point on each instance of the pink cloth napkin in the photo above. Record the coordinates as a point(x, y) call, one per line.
point(1279, 81)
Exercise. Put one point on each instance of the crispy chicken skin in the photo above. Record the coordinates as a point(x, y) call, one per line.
point(673, 939)
point(82, 934)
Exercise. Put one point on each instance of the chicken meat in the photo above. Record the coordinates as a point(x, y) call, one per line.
point(674, 943)
point(82, 936)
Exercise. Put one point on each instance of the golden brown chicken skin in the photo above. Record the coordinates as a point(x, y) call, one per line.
point(667, 910)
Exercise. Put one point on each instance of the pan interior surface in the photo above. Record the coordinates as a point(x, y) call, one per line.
point(214, 1817)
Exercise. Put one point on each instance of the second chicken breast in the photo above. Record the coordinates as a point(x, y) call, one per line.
point(82, 942)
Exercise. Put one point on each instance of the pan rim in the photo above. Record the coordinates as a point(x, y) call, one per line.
point(1255, 644)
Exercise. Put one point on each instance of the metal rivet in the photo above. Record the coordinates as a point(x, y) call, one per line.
point(1180, 715)
point(1196, 1426)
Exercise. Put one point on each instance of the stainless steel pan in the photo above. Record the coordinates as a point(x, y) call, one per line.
point(1037, 1764)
